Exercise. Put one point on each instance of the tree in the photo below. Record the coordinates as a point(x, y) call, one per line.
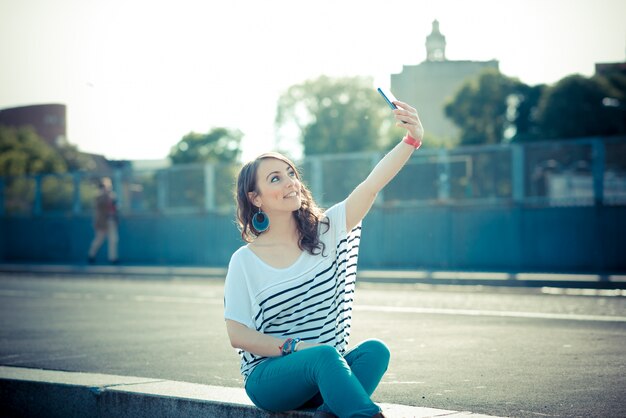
point(523, 113)
point(576, 106)
point(75, 159)
point(480, 107)
point(617, 101)
point(617, 83)
point(335, 115)
point(220, 145)
point(24, 153)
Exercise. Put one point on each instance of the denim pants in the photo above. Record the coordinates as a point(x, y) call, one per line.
point(343, 383)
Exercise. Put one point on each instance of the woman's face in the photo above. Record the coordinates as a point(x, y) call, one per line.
point(278, 187)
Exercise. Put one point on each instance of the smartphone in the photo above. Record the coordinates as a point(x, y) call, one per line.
point(389, 97)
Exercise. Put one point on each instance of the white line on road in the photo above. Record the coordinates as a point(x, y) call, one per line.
point(121, 296)
point(480, 312)
point(176, 299)
point(367, 308)
point(395, 382)
point(19, 293)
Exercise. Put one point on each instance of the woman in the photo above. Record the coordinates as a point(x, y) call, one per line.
point(105, 222)
point(288, 293)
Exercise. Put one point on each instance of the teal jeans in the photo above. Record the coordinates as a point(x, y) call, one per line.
point(319, 374)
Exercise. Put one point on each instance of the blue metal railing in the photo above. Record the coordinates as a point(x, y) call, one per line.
point(580, 172)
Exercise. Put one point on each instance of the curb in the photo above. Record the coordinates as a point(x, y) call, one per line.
point(34, 392)
point(520, 279)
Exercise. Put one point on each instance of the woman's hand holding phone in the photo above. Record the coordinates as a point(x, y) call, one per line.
point(406, 115)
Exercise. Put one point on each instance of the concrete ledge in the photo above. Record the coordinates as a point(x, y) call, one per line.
point(33, 392)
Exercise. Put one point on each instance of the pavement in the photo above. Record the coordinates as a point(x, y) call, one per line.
point(50, 393)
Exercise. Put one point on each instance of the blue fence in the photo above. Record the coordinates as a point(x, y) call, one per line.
point(551, 206)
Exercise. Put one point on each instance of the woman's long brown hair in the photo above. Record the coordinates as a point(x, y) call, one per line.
point(308, 217)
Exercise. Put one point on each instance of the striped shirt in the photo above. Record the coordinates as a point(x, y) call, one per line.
point(311, 299)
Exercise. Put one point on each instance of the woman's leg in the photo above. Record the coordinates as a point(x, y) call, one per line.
point(113, 238)
point(285, 383)
point(97, 242)
point(368, 361)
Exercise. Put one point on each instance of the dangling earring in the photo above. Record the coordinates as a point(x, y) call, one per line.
point(260, 221)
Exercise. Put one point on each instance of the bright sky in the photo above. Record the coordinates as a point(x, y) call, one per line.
point(137, 75)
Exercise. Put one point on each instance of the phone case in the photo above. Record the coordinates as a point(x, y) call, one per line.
point(389, 98)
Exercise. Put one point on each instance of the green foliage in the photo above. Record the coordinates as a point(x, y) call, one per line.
point(616, 83)
point(220, 145)
point(480, 107)
point(22, 152)
point(494, 108)
point(335, 115)
point(524, 112)
point(575, 107)
point(225, 184)
point(75, 159)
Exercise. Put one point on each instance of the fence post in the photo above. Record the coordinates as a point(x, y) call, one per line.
point(161, 190)
point(444, 175)
point(517, 173)
point(117, 187)
point(76, 203)
point(597, 167)
point(209, 187)
point(1, 196)
point(37, 203)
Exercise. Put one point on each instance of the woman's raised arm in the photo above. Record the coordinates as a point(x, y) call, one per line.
point(362, 197)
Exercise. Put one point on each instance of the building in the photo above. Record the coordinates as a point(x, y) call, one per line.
point(50, 123)
point(431, 84)
point(607, 68)
point(48, 120)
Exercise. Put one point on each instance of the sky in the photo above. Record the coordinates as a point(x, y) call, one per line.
point(138, 75)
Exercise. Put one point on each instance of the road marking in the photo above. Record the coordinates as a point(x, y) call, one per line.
point(19, 293)
point(91, 296)
point(395, 382)
point(9, 356)
point(480, 312)
point(554, 277)
point(367, 308)
point(486, 275)
point(582, 292)
point(175, 299)
point(39, 359)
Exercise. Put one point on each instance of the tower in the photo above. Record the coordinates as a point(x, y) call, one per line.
point(431, 84)
point(435, 44)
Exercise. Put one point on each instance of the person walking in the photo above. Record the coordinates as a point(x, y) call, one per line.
point(289, 292)
point(105, 222)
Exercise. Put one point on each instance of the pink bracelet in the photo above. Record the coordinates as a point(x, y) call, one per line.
point(415, 143)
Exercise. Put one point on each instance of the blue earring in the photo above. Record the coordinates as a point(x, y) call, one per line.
point(260, 221)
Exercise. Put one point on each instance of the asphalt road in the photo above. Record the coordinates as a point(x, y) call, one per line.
point(499, 351)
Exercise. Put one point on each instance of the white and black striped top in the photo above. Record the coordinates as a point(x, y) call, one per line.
point(311, 299)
